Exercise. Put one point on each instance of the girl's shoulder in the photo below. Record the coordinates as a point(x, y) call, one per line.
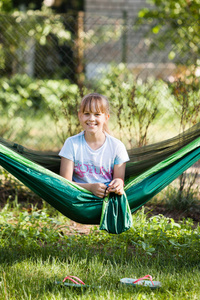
point(113, 139)
point(75, 137)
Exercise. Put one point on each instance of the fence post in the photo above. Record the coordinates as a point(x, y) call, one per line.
point(124, 37)
point(79, 50)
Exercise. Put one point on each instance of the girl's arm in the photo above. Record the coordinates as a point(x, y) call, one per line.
point(117, 184)
point(66, 171)
point(66, 168)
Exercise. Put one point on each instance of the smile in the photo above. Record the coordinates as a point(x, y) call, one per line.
point(91, 124)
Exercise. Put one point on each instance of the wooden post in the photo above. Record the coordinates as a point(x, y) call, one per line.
point(79, 50)
point(124, 38)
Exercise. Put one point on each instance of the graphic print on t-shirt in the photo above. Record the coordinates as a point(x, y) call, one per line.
point(87, 169)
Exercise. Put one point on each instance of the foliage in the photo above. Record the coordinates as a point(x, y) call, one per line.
point(6, 5)
point(187, 106)
point(12, 192)
point(184, 198)
point(186, 101)
point(24, 93)
point(32, 113)
point(23, 35)
point(24, 228)
point(174, 23)
point(136, 105)
point(97, 35)
point(11, 5)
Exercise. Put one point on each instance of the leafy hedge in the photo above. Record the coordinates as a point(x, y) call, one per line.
point(21, 93)
point(136, 106)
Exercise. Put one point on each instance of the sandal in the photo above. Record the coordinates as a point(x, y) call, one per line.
point(77, 282)
point(141, 282)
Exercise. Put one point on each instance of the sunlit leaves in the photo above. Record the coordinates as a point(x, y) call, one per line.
point(21, 32)
point(6, 5)
point(171, 55)
point(174, 23)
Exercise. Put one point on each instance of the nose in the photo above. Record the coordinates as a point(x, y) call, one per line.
point(91, 117)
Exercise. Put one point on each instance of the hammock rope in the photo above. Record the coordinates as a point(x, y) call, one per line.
point(150, 170)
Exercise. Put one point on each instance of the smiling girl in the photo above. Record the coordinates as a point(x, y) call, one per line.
point(94, 159)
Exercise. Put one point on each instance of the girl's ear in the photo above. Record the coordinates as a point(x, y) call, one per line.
point(105, 125)
point(107, 117)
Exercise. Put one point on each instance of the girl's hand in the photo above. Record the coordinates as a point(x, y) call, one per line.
point(98, 189)
point(116, 186)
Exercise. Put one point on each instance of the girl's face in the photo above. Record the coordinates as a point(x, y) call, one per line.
point(92, 119)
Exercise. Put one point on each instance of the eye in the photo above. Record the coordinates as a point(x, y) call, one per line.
point(97, 114)
point(86, 113)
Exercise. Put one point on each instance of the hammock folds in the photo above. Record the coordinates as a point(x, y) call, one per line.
point(151, 168)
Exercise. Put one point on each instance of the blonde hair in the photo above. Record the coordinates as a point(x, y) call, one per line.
point(101, 105)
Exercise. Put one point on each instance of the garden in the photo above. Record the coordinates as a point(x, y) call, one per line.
point(39, 246)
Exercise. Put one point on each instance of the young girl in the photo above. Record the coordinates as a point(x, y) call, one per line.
point(93, 159)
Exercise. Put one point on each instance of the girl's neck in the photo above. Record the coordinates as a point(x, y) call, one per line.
point(95, 141)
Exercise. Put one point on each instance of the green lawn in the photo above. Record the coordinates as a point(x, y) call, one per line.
point(38, 248)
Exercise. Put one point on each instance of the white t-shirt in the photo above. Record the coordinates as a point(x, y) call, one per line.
point(90, 165)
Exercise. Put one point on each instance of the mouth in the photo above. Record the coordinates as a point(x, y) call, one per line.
point(91, 124)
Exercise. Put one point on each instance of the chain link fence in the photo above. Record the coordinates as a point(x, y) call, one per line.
point(48, 62)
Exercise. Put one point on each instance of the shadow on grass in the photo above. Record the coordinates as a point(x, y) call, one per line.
point(33, 270)
point(66, 254)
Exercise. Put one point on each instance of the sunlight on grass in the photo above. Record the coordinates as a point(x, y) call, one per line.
point(37, 250)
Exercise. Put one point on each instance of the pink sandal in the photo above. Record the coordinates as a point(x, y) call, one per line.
point(143, 281)
point(76, 282)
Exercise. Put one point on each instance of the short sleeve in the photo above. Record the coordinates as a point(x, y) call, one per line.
point(67, 150)
point(121, 154)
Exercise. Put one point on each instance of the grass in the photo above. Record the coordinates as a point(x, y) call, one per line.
point(37, 248)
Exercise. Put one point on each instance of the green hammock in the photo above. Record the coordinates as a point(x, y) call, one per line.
point(151, 168)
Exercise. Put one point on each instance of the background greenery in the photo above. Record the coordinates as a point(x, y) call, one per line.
point(140, 113)
point(38, 245)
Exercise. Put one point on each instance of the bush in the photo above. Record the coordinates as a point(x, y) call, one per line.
point(21, 93)
point(141, 111)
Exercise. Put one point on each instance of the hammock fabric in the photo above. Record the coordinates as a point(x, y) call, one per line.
point(151, 168)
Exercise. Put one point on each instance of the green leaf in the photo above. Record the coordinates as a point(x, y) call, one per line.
point(171, 55)
point(156, 29)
